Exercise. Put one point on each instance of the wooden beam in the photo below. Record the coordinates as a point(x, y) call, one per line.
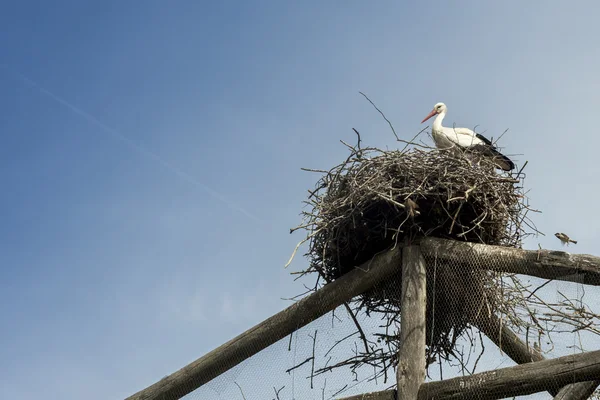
point(519, 352)
point(547, 264)
point(543, 264)
point(577, 391)
point(383, 395)
point(508, 341)
point(516, 349)
point(278, 326)
point(410, 373)
point(517, 381)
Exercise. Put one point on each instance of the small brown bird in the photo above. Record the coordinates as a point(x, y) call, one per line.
point(411, 207)
point(564, 238)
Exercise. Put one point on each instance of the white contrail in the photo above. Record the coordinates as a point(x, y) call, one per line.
point(139, 148)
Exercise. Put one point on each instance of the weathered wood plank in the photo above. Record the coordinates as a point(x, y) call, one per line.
point(523, 379)
point(278, 326)
point(517, 381)
point(519, 352)
point(545, 264)
point(410, 373)
point(577, 391)
point(508, 341)
point(383, 395)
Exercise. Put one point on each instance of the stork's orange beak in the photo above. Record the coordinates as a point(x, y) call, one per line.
point(431, 114)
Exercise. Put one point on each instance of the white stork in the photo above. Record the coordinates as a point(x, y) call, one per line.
point(464, 138)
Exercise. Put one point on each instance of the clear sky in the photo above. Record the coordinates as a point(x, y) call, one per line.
point(150, 156)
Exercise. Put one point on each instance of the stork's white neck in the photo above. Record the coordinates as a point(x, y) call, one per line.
point(437, 122)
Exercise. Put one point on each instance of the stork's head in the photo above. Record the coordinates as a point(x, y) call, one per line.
point(437, 109)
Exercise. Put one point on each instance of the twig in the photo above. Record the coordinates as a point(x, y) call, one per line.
point(382, 114)
point(357, 134)
point(360, 330)
point(340, 341)
point(312, 368)
point(339, 391)
point(277, 392)
point(412, 140)
point(241, 391)
point(298, 246)
point(299, 365)
point(522, 168)
point(500, 137)
point(320, 171)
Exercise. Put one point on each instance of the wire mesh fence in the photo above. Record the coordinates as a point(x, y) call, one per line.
point(486, 309)
point(297, 367)
point(528, 318)
point(471, 313)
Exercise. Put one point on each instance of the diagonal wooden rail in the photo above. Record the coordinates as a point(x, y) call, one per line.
point(280, 325)
point(521, 353)
point(501, 383)
point(548, 264)
point(517, 381)
point(544, 264)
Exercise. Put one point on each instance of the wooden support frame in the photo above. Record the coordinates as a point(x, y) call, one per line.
point(543, 264)
point(506, 382)
point(519, 352)
point(546, 264)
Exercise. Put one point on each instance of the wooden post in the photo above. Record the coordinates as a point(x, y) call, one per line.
point(411, 356)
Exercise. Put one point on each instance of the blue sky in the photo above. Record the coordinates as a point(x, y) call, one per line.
point(151, 156)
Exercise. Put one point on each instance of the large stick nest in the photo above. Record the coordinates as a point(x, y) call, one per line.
point(376, 199)
point(379, 199)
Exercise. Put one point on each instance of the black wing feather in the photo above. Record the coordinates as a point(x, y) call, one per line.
point(484, 139)
point(499, 159)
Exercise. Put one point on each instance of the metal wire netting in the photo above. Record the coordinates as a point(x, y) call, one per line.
point(479, 318)
point(295, 367)
point(529, 318)
point(322, 360)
